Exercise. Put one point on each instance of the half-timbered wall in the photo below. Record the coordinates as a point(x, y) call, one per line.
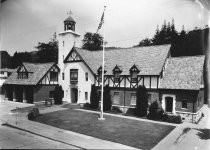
point(150, 82)
point(46, 79)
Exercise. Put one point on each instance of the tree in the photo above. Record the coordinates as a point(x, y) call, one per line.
point(92, 41)
point(48, 52)
point(58, 95)
point(107, 103)
point(94, 97)
point(145, 42)
point(142, 101)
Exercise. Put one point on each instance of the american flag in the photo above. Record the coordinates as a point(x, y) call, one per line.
point(102, 21)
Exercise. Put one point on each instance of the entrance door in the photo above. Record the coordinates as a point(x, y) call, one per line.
point(74, 95)
point(169, 104)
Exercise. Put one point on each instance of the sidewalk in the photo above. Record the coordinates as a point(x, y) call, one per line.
point(186, 136)
point(67, 137)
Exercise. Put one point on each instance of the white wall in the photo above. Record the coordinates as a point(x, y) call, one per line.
point(82, 85)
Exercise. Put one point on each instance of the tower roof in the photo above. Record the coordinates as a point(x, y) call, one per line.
point(69, 19)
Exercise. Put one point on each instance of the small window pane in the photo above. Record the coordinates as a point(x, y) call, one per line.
point(133, 99)
point(86, 76)
point(116, 98)
point(86, 96)
point(184, 104)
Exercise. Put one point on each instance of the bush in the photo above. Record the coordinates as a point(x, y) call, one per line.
point(58, 95)
point(172, 118)
point(87, 105)
point(131, 112)
point(142, 101)
point(116, 110)
point(107, 103)
point(33, 113)
point(155, 112)
point(94, 97)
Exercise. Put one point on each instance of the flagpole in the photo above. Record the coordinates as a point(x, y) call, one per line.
point(102, 85)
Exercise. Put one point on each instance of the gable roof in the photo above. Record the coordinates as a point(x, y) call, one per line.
point(149, 60)
point(183, 73)
point(38, 71)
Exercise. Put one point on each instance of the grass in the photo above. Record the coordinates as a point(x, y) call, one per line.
point(139, 134)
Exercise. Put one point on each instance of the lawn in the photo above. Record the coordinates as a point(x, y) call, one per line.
point(139, 134)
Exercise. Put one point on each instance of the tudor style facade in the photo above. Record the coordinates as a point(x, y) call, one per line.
point(32, 82)
point(125, 70)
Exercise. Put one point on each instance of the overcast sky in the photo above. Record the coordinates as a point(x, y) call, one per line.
point(24, 23)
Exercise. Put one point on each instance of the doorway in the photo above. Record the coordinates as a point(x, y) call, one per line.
point(74, 95)
point(169, 104)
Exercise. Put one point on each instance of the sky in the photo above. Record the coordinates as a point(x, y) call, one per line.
point(24, 23)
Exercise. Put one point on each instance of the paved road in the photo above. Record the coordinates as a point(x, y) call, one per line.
point(16, 139)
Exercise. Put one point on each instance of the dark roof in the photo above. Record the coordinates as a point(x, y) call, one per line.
point(38, 71)
point(149, 60)
point(69, 19)
point(183, 73)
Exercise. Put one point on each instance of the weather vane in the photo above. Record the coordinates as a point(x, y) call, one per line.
point(69, 13)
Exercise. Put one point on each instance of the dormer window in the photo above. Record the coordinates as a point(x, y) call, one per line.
point(100, 74)
point(134, 73)
point(116, 72)
point(53, 76)
point(22, 75)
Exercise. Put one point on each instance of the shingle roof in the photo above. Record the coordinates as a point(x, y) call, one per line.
point(38, 71)
point(149, 60)
point(69, 19)
point(183, 73)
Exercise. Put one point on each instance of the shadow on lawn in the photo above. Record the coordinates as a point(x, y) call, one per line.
point(204, 134)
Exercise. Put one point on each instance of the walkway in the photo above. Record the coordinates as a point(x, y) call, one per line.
point(20, 121)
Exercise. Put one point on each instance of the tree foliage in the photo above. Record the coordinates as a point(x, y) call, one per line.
point(94, 97)
point(92, 41)
point(141, 101)
point(58, 95)
point(107, 103)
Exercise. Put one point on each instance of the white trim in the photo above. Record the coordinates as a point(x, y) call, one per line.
point(164, 103)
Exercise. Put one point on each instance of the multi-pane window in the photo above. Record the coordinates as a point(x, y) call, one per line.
point(86, 76)
point(117, 77)
point(184, 104)
point(73, 75)
point(133, 99)
point(86, 96)
point(100, 76)
point(133, 76)
point(63, 75)
point(53, 76)
point(22, 75)
point(116, 98)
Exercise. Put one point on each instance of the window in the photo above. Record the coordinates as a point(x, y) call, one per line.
point(100, 76)
point(134, 77)
point(63, 76)
point(63, 43)
point(117, 77)
point(86, 76)
point(149, 97)
point(86, 96)
point(22, 75)
point(116, 98)
point(53, 76)
point(73, 76)
point(184, 104)
point(133, 99)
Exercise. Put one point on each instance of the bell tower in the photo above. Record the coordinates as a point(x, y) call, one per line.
point(67, 39)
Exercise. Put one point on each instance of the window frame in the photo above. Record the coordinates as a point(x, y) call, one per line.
point(184, 100)
point(74, 79)
point(53, 76)
point(86, 96)
point(86, 76)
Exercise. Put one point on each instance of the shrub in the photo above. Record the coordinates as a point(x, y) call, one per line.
point(87, 105)
point(33, 113)
point(58, 95)
point(116, 110)
point(142, 101)
point(94, 97)
point(131, 112)
point(153, 111)
point(107, 103)
point(172, 118)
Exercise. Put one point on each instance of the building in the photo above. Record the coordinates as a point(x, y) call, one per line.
point(4, 74)
point(174, 82)
point(32, 82)
point(182, 88)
